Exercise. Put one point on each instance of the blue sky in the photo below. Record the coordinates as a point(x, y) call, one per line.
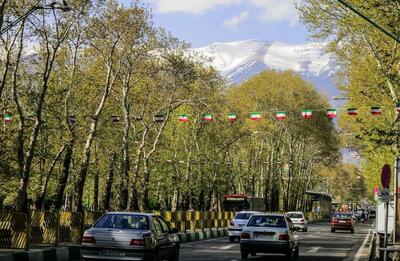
point(202, 22)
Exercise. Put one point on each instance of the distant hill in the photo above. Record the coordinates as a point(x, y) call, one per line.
point(238, 61)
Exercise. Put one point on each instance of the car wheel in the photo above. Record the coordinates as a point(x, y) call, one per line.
point(352, 231)
point(290, 255)
point(231, 239)
point(297, 252)
point(175, 256)
point(156, 256)
point(304, 229)
point(244, 255)
point(332, 230)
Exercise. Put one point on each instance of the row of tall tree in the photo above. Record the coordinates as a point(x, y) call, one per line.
point(369, 74)
point(94, 95)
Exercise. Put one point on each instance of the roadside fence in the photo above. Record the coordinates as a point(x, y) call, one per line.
point(21, 230)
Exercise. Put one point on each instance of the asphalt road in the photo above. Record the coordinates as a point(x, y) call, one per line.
point(318, 244)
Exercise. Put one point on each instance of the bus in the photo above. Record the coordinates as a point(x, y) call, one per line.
point(243, 202)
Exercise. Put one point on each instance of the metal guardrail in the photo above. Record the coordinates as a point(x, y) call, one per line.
point(21, 230)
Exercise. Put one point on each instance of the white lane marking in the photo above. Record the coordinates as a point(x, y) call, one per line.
point(361, 249)
point(226, 247)
point(314, 250)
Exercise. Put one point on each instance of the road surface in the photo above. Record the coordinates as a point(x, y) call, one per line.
point(316, 245)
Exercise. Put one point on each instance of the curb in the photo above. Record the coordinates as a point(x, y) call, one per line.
point(49, 254)
point(201, 235)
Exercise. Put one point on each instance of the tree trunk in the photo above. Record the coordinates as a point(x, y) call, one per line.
point(123, 202)
point(40, 199)
point(107, 190)
point(80, 184)
point(96, 191)
point(62, 183)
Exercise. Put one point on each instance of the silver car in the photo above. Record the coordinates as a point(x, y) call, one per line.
point(269, 233)
point(130, 236)
point(299, 220)
point(237, 223)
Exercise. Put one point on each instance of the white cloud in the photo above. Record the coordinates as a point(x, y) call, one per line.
point(237, 19)
point(190, 6)
point(277, 10)
point(270, 10)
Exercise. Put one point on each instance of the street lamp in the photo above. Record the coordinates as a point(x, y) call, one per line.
point(52, 6)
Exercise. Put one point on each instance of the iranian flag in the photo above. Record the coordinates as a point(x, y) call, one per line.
point(331, 113)
point(232, 117)
point(255, 116)
point(376, 110)
point(352, 111)
point(7, 117)
point(398, 107)
point(307, 114)
point(207, 117)
point(280, 115)
point(183, 118)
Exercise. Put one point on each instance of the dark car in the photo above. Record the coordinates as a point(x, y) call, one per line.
point(130, 236)
point(342, 221)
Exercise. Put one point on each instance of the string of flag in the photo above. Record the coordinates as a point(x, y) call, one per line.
point(231, 117)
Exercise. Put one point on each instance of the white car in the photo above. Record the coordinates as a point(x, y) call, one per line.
point(269, 233)
point(237, 223)
point(299, 220)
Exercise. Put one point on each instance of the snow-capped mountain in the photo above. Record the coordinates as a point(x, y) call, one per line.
point(238, 61)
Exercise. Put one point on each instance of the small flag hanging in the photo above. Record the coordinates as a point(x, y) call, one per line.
point(115, 119)
point(352, 111)
point(376, 110)
point(159, 118)
point(138, 118)
point(398, 107)
point(307, 114)
point(71, 119)
point(207, 117)
point(232, 117)
point(255, 116)
point(183, 118)
point(7, 117)
point(280, 115)
point(331, 113)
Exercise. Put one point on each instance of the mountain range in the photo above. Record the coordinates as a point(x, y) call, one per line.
point(238, 61)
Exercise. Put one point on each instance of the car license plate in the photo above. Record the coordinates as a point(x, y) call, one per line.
point(108, 252)
point(342, 221)
point(263, 235)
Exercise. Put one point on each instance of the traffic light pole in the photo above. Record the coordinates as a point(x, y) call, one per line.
point(369, 20)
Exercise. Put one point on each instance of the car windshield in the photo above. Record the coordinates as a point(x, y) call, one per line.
point(295, 215)
point(243, 216)
point(123, 221)
point(267, 221)
point(343, 215)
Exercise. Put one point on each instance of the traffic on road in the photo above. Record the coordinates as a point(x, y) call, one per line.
point(252, 235)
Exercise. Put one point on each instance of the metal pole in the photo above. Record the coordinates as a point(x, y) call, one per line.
point(396, 200)
point(369, 20)
point(386, 229)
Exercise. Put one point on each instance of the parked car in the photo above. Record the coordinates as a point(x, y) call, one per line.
point(237, 223)
point(269, 233)
point(343, 221)
point(130, 236)
point(299, 220)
